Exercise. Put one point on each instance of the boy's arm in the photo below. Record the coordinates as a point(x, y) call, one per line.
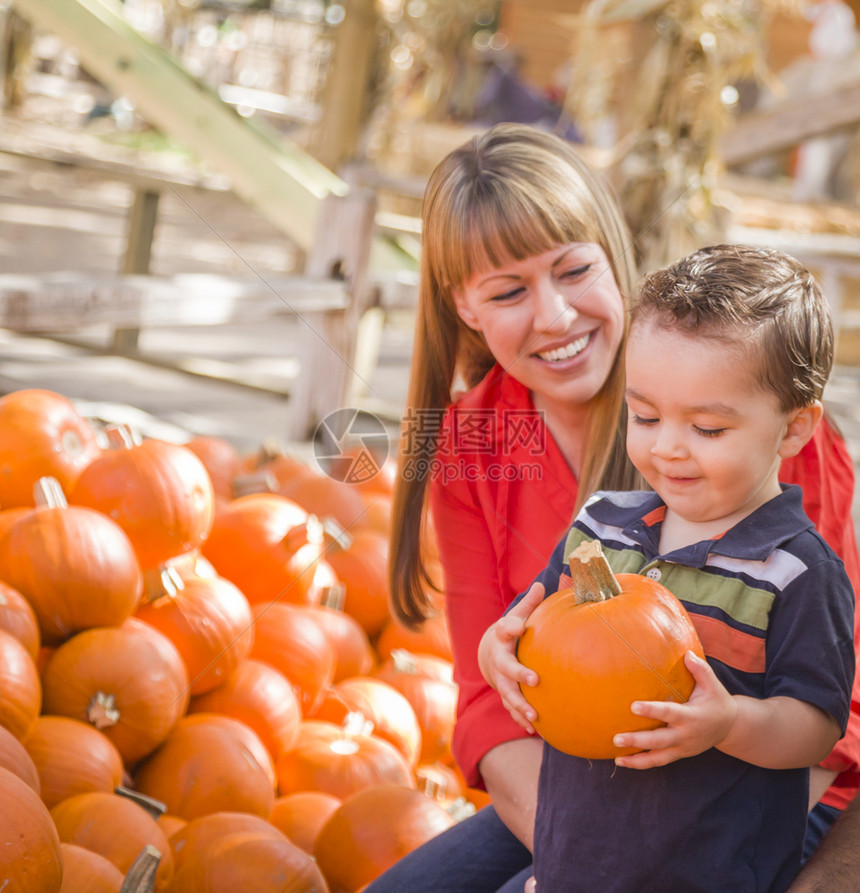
point(497, 657)
point(775, 733)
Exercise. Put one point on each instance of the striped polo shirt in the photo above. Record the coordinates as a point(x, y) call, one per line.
point(774, 611)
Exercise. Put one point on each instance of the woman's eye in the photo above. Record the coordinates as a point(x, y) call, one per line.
point(508, 295)
point(576, 272)
point(641, 420)
point(708, 432)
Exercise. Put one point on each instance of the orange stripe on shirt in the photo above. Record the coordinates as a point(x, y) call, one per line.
point(655, 516)
point(735, 648)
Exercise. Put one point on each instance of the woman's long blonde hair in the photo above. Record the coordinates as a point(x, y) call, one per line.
point(509, 193)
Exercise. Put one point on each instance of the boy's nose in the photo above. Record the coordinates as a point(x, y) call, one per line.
point(668, 444)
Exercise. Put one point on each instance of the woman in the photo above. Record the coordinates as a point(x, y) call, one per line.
point(526, 270)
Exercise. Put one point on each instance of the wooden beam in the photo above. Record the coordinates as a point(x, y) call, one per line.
point(792, 121)
point(62, 302)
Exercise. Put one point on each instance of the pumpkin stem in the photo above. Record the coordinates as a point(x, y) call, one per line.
point(141, 875)
point(260, 481)
point(122, 437)
point(162, 584)
point(48, 493)
point(154, 807)
point(102, 711)
point(333, 596)
point(590, 573)
point(340, 539)
point(403, 661)
point(356, 723)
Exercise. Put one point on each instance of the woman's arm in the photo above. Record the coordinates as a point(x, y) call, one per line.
point(510, 772)
point(835, 867)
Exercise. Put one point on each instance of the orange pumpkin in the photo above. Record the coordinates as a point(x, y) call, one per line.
point(19, 620)
point(288, 638)
point(158, 492)
point(597, 647)
point(76, 567)
point(221, 460)
point(301, 816)
point(353, 652)
point(20, 689)
point(392, 715)
point(114, 827)
point(30, 856)
point(325, 497)
point(268, 546)
point(128, 681)
point(87, 872)
point(371, 830)
point(259, 862)
point(340, 761)
point(170, 824)
point(41, 433)
point(433, 699)
point(360, 560)
point(14, 757)
point(210, 763)
point(262, 698)
point(432, 637)
point(198, 836)
point(209, 622)
point(273, 461)
point(72, 758)
point(439, 782)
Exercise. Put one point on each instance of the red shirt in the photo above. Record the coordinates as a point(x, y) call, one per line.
point(502, 496)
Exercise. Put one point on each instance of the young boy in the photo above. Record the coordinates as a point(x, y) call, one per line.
point(728, 354)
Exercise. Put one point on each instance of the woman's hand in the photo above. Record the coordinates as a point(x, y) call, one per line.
point(692, 728)
point(498, 661)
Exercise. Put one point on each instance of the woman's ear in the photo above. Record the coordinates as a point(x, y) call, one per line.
point(464, 311)
point(801, 426)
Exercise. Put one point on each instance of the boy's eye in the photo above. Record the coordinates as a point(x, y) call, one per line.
point(708, 432)
point(640, 420)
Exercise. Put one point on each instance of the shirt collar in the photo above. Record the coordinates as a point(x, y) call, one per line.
point(755, 538)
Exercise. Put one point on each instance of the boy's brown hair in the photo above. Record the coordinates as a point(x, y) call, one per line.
point(759, 299)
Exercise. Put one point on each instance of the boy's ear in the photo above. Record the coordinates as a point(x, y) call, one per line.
point(463, 310)
point(801, 426)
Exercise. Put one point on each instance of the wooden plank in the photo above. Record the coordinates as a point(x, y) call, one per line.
point(57, 302)
point(783, 126)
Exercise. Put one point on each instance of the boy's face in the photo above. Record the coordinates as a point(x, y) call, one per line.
point(701, 431)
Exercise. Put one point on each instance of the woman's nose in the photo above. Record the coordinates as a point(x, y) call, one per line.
point(553, 312)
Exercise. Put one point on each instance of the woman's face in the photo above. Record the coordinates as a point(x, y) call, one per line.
point(554, 321)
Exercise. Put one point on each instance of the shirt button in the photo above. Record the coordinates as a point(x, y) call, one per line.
point(654, 573)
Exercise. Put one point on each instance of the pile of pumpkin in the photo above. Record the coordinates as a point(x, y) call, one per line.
point(215, 676)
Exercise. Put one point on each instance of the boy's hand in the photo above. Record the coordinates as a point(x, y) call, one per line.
point(692, 728)
point(498, 662)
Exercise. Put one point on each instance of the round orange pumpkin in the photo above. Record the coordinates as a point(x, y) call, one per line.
point(128, 681)
point(72, 758)
point(30, 856)
point(87, 872)
point(268, 546)
point(20, 689)
point(209, 622)
point(353, 652)
point(210, 763)
point(76, 567)
point(432, 637)
point(114, 827)
point(14, 757)
point(597, 647)
point(262, 698)
point(247, 861)
point(18, 618)
point(41, 433)
point(301, 816)
point(325, 497)
point(288, 638)
point(159, 493)
point(371, 830)
point(221, 460)
point(338, 761)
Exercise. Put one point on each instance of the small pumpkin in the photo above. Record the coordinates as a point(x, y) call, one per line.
point(210, 763)
point(262, 698)
point(600, 645)
point(41, 433)
point(87, 872)
point(127, 681)
point(20, 688)
point(159, 493)
point(432, 637)
point(18, 618)
point(301, 816)
point(221, 460)
point(30, 856)
point(371, 830)
point(14, 757)
point(76, 566)
point(354, 655)
point(72, 758)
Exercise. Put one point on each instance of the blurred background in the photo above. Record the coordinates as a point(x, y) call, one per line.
point(209, 208)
